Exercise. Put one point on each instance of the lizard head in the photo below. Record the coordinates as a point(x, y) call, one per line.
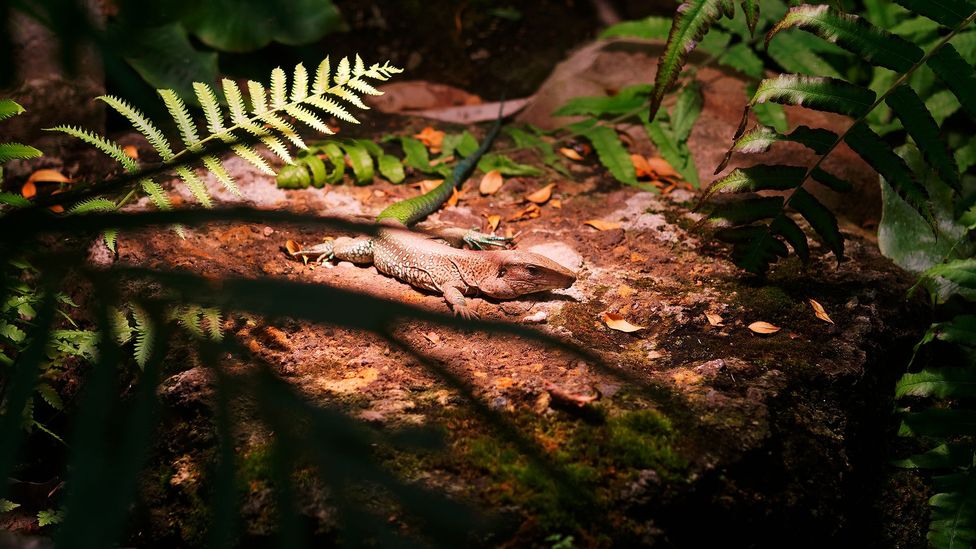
point(520, 273)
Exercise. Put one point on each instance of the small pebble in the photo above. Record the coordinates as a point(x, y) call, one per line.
point(268, 231)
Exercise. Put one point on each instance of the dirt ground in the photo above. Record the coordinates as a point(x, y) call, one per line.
point(691, 430)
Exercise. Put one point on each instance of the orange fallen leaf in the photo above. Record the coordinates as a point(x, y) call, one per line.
point(48, 175)
point(637, 258)
point(570, 153)
point(714, 319)
point(763, 328)
point(530, 212)
point(292, 246)
point(427, 185)
point(661, 167)
point(617, 322)
point(455, 196)
point(431, 138)
point(57, 208)
point(493, 221)
point(131, 151)
point(602, 225)
point(542, 195)
point(491, 182)
point(29, 190)
point(556, 203)
point(819, 311)
point(641, 166)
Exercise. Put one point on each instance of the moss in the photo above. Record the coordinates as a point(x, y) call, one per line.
point(255, 465)
point(769, 300)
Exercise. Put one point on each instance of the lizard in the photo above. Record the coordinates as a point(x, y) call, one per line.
point(436, 260)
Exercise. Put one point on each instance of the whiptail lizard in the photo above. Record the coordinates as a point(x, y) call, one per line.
point(436, 260)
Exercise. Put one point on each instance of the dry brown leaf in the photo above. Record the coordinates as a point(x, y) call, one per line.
point(131, 151)
point(617, 322)
point(570, 153)
point(427, 185)
point(571, 398)
point(530, 212)
point(641, 166)
point(637, 258)
point(493, 221)
point(763, 328)
point(48, 175)
point(542, 195)
point(556, 203)
point(29, 190)
point(431, 138)
point(432, 337)
point(491, 182)
point(714, 319)
point(292, 246)
point(819, 311)
point(602, 225)
point(661, 167)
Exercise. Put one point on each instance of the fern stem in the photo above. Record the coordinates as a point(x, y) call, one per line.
point(880, 99)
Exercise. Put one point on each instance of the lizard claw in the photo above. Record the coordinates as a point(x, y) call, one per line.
point(466, 312)
point(320, 253)
point(480, 241)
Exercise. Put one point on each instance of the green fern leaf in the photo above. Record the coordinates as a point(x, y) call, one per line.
point(852, 33)
point(110, 237)
point(943, 456)
point(141, 123)
point(103, 144)
point(49, 517)
point(947, 12)
point(309, 118)
point(612, 153)
point(9, 108)
point(214, 320)
point(820, 218)
point(751, 9)
point(277, 147)
point(278, 88)
point(121, 329)
point(760, 138)
point(299, 85)
point(248, 154)
point(758, 178)
point(342, 72)
point(961, 273)
point(259, 101)
point(957, 74)
point(5, 504)
point(156, 194)
point(879, 155)
point(359, 68)
point(284, 128)
point(788, 229)
point(188, 316)
point(796, 54)
point(50, 396)
point(216, 167)
point(361, 162)
point(17, 151)
point(691, 22)
point(93, 205)
point(211, 108)
point(145, 336)
point(746, 211)
point(953, 521)
point(321, 77)
point(196, 186)
point(940, 383)
point(14, 200)
point(823, 94)
point(177, 109)
point(331, 107)
point(235, 101)
point(754, 247)
point(830, 181)
point(362, 86)
point(961, 330)
point(938, 422)
point(908, 107)
point(347, 95)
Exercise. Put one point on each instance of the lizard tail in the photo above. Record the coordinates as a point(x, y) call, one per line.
point(414, 209)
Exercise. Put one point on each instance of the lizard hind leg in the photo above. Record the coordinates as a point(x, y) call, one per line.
point(459, 238)
point(320, 253)
point(356, 250)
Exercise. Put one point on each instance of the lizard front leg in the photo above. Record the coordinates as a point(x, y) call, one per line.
point(455, 298)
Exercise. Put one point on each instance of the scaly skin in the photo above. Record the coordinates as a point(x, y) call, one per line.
point(436, 261)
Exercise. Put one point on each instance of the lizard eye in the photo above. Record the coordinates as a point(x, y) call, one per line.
point(502, 271)
point(532, 269)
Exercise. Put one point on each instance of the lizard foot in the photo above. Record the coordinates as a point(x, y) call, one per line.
point(466, 312)
point(480, 241)
point(320, 253)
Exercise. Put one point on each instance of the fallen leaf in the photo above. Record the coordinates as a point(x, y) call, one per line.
point(292, 246)
point(493, 221)
point(617, 322)
point(431, 138)
point(763, 328)
point(427, 185)
point(654, 354)
point(571, 398)
point(661, 167)
point(491, 182)
point(556, 203)
point(57, 208)
point(530, 212)
point(439, 161)
point(625, 291)
point(602, 225)
point(131, 151)
point(504, 382)
point(432, 337)
point(29, 190)
point(637, 258)
point(542, 195)
point(819, 311)
point(570, 153)
point(48, 175)
point(641, 166)
point(455, 196)
point(714, 319)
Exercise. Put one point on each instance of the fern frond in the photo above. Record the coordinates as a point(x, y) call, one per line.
point(343, 93)
point(188, 316)
point(141, 123)
point(107, 146)
point(342, 72)
point(283, 127)
point(331, 107)
point(920, 124)
point(93, 205)
point(309, 118)
point(9, 108)
point(196, 186)
point(50, 396)
point(216, 167)
point(299, 84)
point(958, 75)
point(235, 101)
point(145, 333)
point(277, 147)
point(211, 108)
point(17, 151)
point(177, 109)
point(121, 329)
point(259, 101)
point(359, 68)
point(214, 320)
point(361, 86)
point(278, 88)
point(110, 237)
point(248, 154)
point(322, 73)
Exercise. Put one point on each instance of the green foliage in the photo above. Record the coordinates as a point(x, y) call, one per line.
point(13, 151)
point(49, 517)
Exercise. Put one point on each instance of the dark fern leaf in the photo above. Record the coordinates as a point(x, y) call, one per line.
point(910, 109)
point(820, 218)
